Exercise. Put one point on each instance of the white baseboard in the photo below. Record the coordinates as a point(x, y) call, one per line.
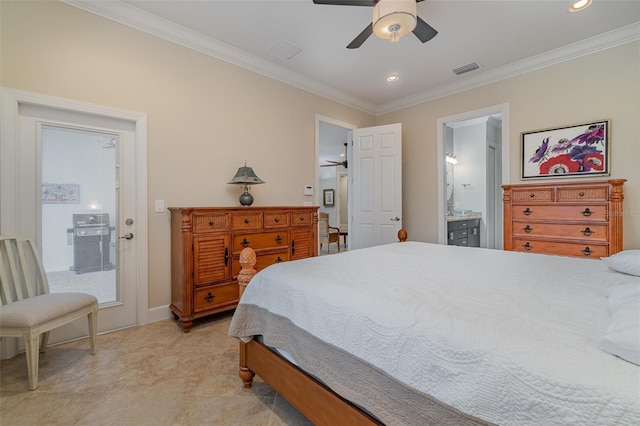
point(158, 314)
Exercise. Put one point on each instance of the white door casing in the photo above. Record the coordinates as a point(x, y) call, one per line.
point(376, 175)
point(23, 115)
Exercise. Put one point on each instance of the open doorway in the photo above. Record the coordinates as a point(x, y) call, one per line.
point(332, 140)
point(472, 166)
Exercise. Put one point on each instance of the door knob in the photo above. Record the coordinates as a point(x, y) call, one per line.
point(395, 219)
point(126, 236)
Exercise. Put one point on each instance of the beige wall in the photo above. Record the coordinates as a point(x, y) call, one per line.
point(605, 85)
point(206, 117)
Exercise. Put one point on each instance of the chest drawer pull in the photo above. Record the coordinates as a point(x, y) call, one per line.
point(587, 231)
point(587, 251)
point(211, 223)
point(580, 194)
point(226, 256)
point(276, 220)
point(527, 229)
point(527, 211)
point(278, 259)
point(527, 246)
point(246, 221)
point(586, 212)
point(532, 195)
point(209, 297)
point(301, 218)
point(278, 239)
point(244, 242)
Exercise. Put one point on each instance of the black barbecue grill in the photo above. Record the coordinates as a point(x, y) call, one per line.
point(91, 240)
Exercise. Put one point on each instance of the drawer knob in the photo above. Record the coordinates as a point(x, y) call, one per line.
point(532, 195)
point(244, 242)
point(527, 229)
point(301, 218)
point(278, 260)
point(276, 220)
point(246, 221)
point(527, 211)
point(587, 251)
point(586, 212)
point(587, 231)
point(209, 297)
point(278, 239)
point(580, 194)
point(210, 223)
point(527, 246)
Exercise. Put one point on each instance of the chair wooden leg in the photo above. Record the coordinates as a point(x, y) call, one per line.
point(93, 329)
point(44, 341)
point(31, 350)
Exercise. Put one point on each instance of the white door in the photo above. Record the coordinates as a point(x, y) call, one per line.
point(376, 172)
point(71, 168)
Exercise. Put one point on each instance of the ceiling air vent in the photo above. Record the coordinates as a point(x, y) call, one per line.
point(466, 68)
point(284, 49)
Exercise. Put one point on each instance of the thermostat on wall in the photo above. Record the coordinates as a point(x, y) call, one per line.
point(308, 190)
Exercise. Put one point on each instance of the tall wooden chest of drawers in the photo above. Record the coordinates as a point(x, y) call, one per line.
point(581, 219)
point(206, 245)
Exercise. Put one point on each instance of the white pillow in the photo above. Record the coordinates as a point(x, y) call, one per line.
point(627, 262)
point(623, 334)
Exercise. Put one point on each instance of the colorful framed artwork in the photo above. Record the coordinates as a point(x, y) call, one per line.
point(581, 150)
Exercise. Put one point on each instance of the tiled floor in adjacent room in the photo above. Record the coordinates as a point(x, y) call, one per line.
point(148, 375)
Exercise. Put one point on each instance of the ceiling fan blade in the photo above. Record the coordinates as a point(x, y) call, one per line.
point(347, 2)
point(424, 31)
point(361, 38)
point(330, 165)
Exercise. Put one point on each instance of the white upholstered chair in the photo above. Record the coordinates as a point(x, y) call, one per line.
point(28, 310)
point(327, 234)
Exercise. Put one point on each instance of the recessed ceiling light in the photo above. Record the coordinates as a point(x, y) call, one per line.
point(393, 77)
point(580, 5)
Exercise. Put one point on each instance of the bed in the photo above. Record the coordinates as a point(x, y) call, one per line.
point(418, 333)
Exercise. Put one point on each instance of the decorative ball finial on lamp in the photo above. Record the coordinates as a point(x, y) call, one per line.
point(246, 176)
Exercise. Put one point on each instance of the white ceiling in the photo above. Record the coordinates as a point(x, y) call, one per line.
point(504, 37)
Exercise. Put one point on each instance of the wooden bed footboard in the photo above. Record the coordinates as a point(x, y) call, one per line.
point(317, 402)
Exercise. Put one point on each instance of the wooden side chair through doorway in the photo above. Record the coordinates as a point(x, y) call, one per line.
point(28, 310)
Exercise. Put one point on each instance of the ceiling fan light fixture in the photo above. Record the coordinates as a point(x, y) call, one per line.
point(393, 19)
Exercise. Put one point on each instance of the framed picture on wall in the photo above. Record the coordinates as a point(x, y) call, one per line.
point(580, 150)
point(327, 198)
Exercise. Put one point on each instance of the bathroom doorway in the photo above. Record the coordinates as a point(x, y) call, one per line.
point(472, 166)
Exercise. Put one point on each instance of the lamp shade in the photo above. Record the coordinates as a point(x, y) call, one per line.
point(393, 19)
point(246, 176)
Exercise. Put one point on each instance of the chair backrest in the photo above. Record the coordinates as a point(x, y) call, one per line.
point(21, 272)
point(323, 224)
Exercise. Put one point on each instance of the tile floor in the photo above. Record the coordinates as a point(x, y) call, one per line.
point(147, 375)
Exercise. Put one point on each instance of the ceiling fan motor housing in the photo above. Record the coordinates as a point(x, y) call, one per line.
point(393, 19)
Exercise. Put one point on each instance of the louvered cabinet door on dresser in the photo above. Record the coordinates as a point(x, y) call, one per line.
point(205, 250)
point(580, 219)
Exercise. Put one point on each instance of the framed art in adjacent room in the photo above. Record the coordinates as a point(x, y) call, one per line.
point(581, 150)
point(327, 198)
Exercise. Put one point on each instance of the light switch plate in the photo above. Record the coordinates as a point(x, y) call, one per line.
point(159, 206)
point(308, 190)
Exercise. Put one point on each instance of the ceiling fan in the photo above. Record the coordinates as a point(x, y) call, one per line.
point(392, 19)
point(337, 163)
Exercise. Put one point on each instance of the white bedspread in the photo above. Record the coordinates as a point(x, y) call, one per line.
point(511, 338)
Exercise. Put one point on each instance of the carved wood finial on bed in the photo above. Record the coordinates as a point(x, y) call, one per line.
point(247, 261)
point(402, 235)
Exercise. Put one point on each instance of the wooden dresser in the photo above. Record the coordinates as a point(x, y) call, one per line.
point(206, 245)
point(581, 219)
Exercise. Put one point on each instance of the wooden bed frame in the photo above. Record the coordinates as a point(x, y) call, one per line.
point(317, 402)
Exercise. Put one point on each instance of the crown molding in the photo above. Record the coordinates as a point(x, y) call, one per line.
point(143, 21)
point(569, 52)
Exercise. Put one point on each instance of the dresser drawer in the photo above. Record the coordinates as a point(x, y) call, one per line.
point(276, 219)
point(589, 231)
point(260, 241)
point(591, 250)
point(561, 212)
point(214, 296)
point(210, 222)
point(247, 220)
point(301, 219)
point(535, 194)
point(262, 261)
point(596, 193)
